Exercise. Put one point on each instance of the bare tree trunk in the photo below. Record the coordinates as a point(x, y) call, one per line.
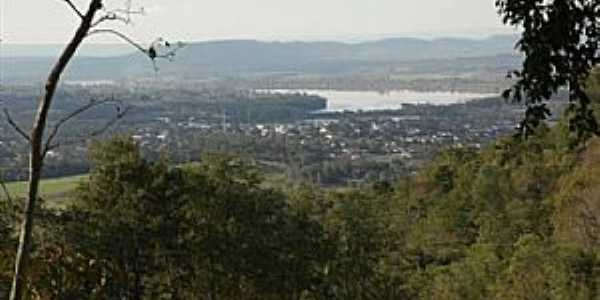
point(36, 156)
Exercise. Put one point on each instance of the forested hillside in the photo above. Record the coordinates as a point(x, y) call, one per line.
point(482, 215)
point(517, 220)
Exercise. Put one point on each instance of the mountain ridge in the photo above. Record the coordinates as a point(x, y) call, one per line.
point(238, 57)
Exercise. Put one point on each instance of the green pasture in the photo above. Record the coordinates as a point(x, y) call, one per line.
point(54, 191)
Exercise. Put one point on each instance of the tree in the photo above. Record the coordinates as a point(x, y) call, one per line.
point(142, 228)
point(368, 263)
point(561, 44)
point(470, 278)
point(133, 217)
point(40, 143)
point(245, 241)
point(530, 274)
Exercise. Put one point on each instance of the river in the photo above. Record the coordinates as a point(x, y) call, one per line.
point(371, 100)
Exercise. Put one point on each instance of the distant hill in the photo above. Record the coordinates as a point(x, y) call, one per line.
point(239, 57)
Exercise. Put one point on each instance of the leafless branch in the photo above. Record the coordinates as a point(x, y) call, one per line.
point(158, 49)
point(121, 36)
point(15, 126)
point(165, 49)
point(122, 15)
point(128, 10)
point(93, 103)
point(110, 123)
point(121, 112)
point(74, 8)
point(5, 190)
point(110, 16)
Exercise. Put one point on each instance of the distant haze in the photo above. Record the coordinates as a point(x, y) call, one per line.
point(50, 21)
point(219, 59)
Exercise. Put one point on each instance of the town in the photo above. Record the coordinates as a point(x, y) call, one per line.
point(288, 134)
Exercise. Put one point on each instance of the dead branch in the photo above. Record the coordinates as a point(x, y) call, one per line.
point(169, 50)
point(123, 15)
point(111, 17)
point(121, 36)
point(163, 49)
point(15, 126)
point(74, 8)
point(121, 112)
point(5, 190)
point(54, 132)
point(110, 123)
point(158, 49)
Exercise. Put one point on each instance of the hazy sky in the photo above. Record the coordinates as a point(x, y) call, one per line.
point(50, 21)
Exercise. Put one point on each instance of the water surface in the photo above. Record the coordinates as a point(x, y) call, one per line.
point(371, 100)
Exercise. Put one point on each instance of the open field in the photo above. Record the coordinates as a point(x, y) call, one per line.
point(56, 191)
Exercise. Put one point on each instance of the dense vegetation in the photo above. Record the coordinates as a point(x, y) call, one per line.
point(517, 220)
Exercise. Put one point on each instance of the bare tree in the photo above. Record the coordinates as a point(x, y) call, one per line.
point(95, 15)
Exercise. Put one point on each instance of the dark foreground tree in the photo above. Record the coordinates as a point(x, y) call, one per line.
point(143, 229)
point(560, 41)
point(40, 143)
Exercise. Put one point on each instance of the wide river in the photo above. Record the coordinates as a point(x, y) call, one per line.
point(371, 100)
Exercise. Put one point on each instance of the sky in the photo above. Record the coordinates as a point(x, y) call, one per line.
point(51, 21)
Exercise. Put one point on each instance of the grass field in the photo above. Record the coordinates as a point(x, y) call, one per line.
point(55, 191)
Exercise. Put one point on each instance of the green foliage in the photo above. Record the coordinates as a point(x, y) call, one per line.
point(366, 264)
point(516, 220)
point(561, 44)
point(531, 274)
point(7, 241)
point(246, 240)
point(475, 218)
point(140, 229)
point(473, 278)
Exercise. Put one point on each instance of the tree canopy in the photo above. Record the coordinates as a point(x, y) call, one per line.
point(560, 42)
